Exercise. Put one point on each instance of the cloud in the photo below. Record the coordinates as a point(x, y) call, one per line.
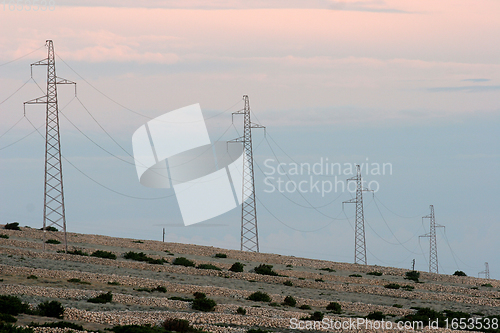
point(465, 89)
point(476, 80)
point(365, 6)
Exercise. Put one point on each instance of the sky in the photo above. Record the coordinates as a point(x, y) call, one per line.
point(414, 85)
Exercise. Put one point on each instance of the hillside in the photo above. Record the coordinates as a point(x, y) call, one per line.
point(154, 290)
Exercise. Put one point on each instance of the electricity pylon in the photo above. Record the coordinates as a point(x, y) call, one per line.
point(249, 232)
point(433, 252)
point(54, 213)
point(486, 271)
point(359, 232)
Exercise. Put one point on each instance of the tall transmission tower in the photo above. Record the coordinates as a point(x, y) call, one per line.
point(359, 232)
point(486, 271)
point(54, 213)
point(249, 232)
point(433, 254)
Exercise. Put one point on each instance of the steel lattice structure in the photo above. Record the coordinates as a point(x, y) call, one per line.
point(359, 232)
point(54, 213)
point(486, 271)
point(249, 231)
point(433, 254)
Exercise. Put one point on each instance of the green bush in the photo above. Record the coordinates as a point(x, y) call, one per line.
point(59, 324)
point(425, 315)
point(316, 316)
point(114, 283)
point(198, 295)
point(334, 307)
point(160, 289)
point(289, 266)
point(7, 318)
point(208, 266)
point(12, 305)
point(76, 252)
point(241, 311)
point(459, 273)
point(138, 242)
point(289, 301)
point(408, 288)
point(104, 254)
point(178, 325)
point(375, 273)
point(376, 315)
point(274, 304)
point(50, 309)
point(32, 277)
point(355, 275)
point(319, 280)
point(102, 298)
point(392, 286)
point(50, 228)
point(288, 283)
point(137, 329)
point(327, 270)
point(4, 236)
point(12, 226)
point(237, 267)
point(74, 280)
point(9, 328)
point(184, 299)
point(305, 307)
point(220, 255)
point(489, 285)
point(412, 275)
point(264, 269)
point(141, 256)
point(259, 296)
point(203, 304)
point(397, 306)
point(181, 261)
point(52, 241)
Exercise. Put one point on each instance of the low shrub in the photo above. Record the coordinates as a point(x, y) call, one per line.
point(241, 311)
point(305, 307)
point(264, 269)
point(203, 304)
point(355, 275)
point(184, 299)
point(50, 309)
point(334, 307)
point(160, 289)
point(58, 324)
point(104, 254)
point(376, 315)
point(114, 283)
point(181, 261)
point(237, 267)
point(412, 275)
point(397, 306)
point(288, 283)
point(52, 241)
point(319, 280)
point(327, 270)
point(138, 242)
point(316, 316)
point(13, 305)
point(274, 304)
point(76, 252)
point(198, 295)
point(289, 301)
point(102, 298)
point(32, 277)
point(12, 226)
point(4, 236)
point(392, 286)
point(289, 266)
point(208, 266)
point(408, 288)
point(178, 325)
point(7, 318)
point(220, 255)
point(259, 296)
point(74, 280)
point(141, 256)
point(459, 273)
point(375, 273)
point(50, 228)
point(9, 328)
point(489, 285)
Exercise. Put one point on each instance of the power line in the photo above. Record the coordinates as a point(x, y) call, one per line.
point(21, 57)
point(15, 92)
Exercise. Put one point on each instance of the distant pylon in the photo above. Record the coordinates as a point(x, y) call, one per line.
point(54, 213)
point(359, 232)
point(433, 254)
point(249, 232)
point(486, 271)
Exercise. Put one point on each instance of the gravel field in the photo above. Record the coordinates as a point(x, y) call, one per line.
point(315, 283)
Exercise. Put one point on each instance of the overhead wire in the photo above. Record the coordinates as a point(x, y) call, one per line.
point(21, 57)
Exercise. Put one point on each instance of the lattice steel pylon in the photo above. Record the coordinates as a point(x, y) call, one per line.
point(249, 231)
point(359, 230)
point(54, 213)
point(486, 271)
point(433, 254)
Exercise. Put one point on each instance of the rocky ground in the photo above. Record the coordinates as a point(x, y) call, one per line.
point(315, 283)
